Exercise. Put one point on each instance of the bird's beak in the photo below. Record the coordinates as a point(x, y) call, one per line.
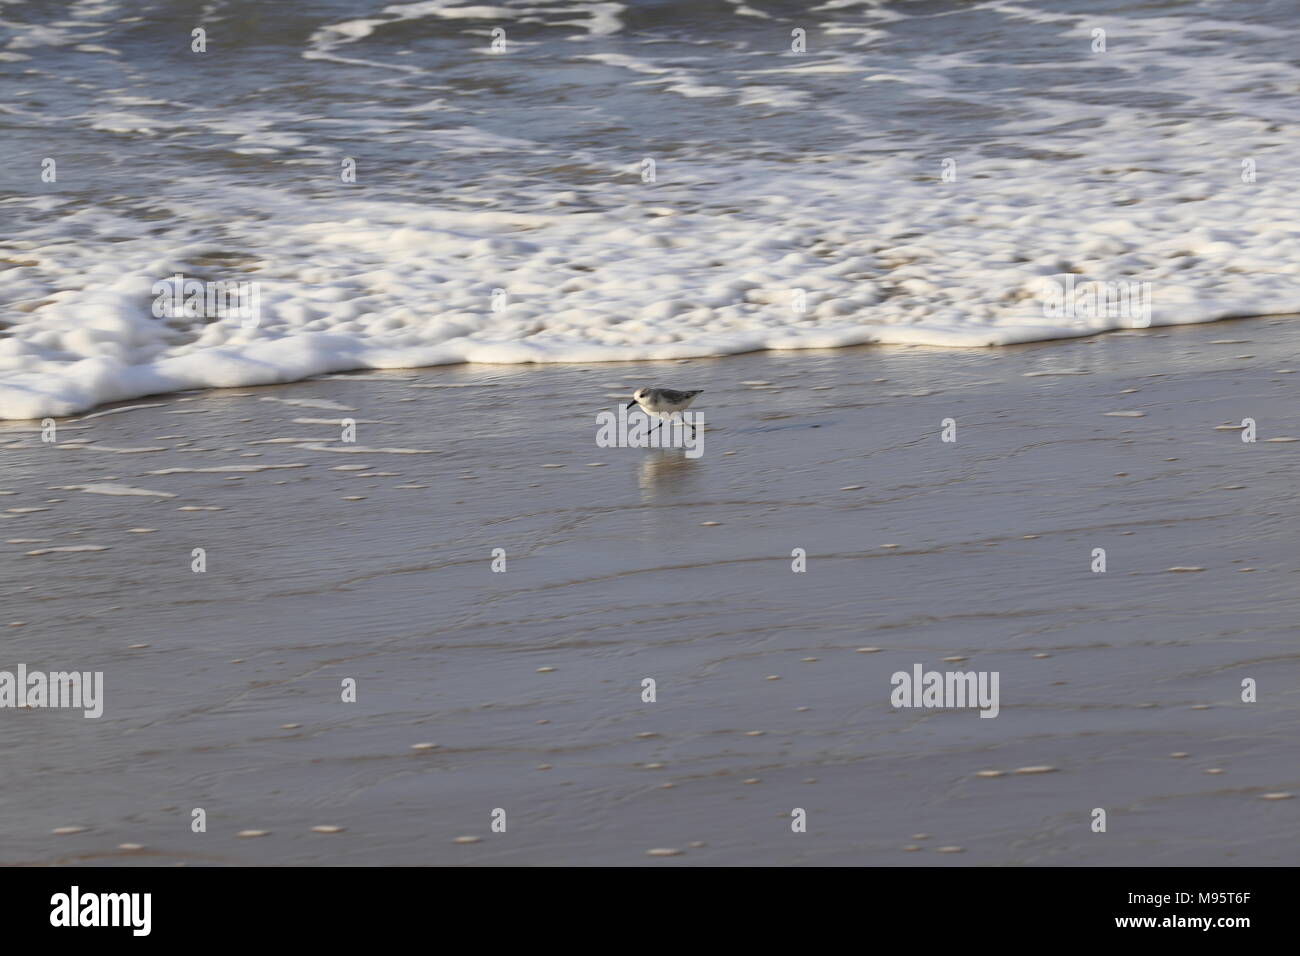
point(631, 403)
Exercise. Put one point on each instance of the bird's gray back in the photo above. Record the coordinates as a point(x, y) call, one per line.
point(673, 396)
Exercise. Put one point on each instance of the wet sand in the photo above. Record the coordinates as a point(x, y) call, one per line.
point(625, 564)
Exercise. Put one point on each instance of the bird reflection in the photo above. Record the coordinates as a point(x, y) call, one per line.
point(665, 473)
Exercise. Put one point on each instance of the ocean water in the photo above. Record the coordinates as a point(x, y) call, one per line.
point(924, 172)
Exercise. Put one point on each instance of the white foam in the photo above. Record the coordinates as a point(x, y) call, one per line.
point(384, 285)
point(108, 488)
point(68, 549)
point(224, 469)
point(363, 450)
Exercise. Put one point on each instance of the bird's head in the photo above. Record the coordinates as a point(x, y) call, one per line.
point(639, 396)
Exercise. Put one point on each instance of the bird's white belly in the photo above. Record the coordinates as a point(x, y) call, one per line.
point(661, 410)
point(664, 408)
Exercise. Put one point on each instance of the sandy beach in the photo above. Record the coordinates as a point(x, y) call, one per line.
point(372, 561)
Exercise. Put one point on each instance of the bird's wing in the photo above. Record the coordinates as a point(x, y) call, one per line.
point(674, 396)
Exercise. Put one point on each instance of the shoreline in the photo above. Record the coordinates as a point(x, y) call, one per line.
point(328, 369)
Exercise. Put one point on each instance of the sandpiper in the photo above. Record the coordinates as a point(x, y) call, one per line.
point(663, 403)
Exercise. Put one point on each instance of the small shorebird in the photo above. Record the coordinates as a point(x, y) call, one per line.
point(663, 403)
